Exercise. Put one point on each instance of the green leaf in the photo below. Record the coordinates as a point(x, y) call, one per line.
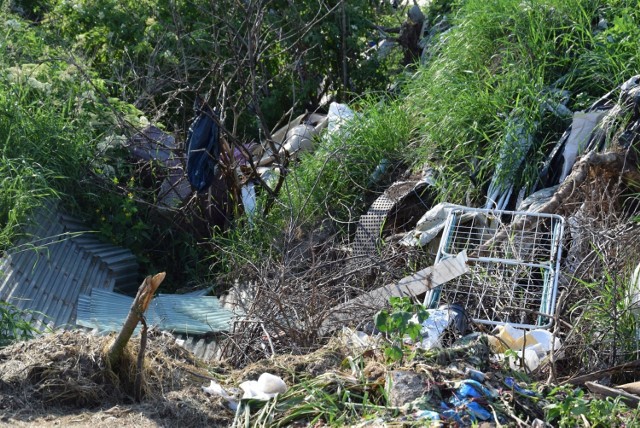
point(398, 321)
point(422, 314)
point(393, 353)
point(413, 331)
point(381, 321)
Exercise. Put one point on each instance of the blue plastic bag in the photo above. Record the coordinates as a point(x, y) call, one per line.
point(203, 148)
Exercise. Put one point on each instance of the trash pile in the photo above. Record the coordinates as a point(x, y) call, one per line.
point(462, 385)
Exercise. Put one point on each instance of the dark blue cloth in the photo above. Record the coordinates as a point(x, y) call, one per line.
point(203, 148)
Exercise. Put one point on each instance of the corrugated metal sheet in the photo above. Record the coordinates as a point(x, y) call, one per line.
point(60, 260)
point(204, 347)
point(105, 311)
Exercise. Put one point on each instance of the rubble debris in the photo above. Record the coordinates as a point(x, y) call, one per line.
point(403, 387)
point(153, 144)
point(357, 341)
point(439, 322)
point(294, 138)
point(215, 388)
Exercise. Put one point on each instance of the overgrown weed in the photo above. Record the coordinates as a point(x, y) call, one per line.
point(506, 62)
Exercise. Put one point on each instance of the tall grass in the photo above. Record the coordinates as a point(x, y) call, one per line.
point(504, 61)
point(335, 177)
point(22, 188)
point(50, 122)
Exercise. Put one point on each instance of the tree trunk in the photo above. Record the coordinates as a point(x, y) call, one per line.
point(138, 308)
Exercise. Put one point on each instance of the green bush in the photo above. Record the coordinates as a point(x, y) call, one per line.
point(151, 48)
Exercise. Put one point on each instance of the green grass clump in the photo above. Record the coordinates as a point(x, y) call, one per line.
point(335, 177)
point(503, 63)
point(55, 129)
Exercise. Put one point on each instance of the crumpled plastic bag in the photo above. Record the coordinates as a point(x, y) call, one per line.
point(216, 389)
point(265, 388)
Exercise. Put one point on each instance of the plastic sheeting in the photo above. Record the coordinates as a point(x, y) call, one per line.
point(581, 129)
point(203, 149)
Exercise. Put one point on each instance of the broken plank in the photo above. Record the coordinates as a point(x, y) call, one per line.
point(629, 399)
point(630, 366)
point(410, 286)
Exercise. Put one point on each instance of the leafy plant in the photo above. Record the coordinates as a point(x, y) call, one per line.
point(13, 326)
point(404, 319)
point(571, 407)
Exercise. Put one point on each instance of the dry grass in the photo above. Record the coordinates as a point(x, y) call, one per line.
point(285, 303)
point(602, 248)
point(65, 374)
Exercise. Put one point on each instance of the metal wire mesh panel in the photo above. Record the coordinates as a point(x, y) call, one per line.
point(513, 265)
point(367, 237)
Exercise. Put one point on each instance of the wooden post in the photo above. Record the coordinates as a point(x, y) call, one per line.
point(138, 308)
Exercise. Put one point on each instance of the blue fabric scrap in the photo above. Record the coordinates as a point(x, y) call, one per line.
point(473, 388)
point(427, 414)
point(511, 383)
point(477, 411)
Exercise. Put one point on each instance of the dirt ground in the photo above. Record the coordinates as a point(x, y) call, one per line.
point(61, 380)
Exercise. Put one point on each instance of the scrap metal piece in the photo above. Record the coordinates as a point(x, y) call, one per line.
point(514, 280)
point(59, 260)
point(367, 237)
point(105, 311)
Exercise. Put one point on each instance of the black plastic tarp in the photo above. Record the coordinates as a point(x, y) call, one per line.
point(203, 148)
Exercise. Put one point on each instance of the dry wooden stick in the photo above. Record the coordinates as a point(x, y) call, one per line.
point(599, 374)
point(140, 367)
point(138, 308)
point(629, 399)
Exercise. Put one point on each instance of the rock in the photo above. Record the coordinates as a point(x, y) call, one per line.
point(404, 386)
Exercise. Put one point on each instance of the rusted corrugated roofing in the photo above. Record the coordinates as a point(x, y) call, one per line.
point(60, 260)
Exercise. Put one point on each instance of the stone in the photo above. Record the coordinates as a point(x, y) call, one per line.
point(404, 387)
